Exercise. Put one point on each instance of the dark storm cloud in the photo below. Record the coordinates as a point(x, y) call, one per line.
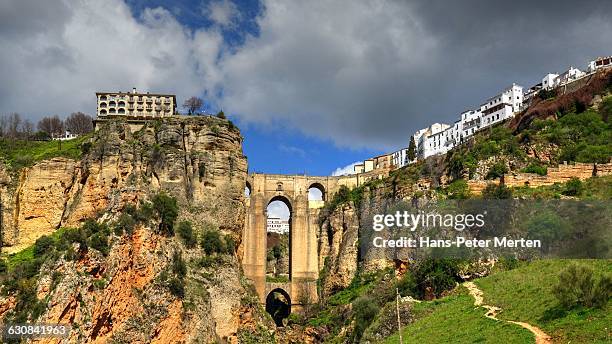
point(371, 73)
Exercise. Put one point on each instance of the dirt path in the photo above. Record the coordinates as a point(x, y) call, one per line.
point(540, 336)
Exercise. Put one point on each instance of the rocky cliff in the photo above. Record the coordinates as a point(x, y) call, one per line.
point(123, 295)
point(197, 159)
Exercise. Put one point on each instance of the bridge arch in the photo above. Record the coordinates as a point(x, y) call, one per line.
point(316, 192)
point(279, 240)
point(278, 305)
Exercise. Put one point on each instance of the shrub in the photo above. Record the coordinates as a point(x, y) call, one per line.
point(536, 168)
point(573, 187)
point(125, 224)
point(85, 147)
point(177, 287)
point(407, 285)
point(167, 211)
point(221, 114)
point(458, 190)
point(497, 170)
point(435, 275)
point(185, 232)
point(43, 245)
point(179, 267)
point(365, 310)
point(230, 244)
point(493, 191)
point(99, 241)
point(3, 266)
point(578, 286)
point(212, 243)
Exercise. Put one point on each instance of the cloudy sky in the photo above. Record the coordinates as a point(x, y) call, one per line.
point(314, 85)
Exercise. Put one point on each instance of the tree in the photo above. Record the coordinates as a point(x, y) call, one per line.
point(221, 114)
point(79, 123)
point(193, 104)
point(51, 125)
point(14, 124)
point(27, 128)
point(167, 210)
point(411, 154)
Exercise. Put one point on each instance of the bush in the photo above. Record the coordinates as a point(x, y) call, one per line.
point(536, 168)
point(99, 241)
point(365, 310)
point(573, 187)
point(435, 275)
point(458, 190)
point(185, 233)
point(179, 268)
point(212, 243)
point(221, 114)
point(230, 244)
point(167, 211)
point(177, 287)
point(497, 170)
point(125, 224)
point(43, 245)
point(578, 286)
point(493, 191)
point(407, 285)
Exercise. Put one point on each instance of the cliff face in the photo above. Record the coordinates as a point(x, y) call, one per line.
point(198, 160)
point(122, 297)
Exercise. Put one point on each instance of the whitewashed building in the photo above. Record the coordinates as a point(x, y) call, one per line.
point(501, 106)
point(570, 75)
point(431, 141)
point(277, 225)
point(550, 81)
point(598, 63)
point(399, 158)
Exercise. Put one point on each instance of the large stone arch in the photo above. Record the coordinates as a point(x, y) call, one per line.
point(304, 229)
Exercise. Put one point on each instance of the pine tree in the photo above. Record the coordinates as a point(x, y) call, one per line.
point(411, 149)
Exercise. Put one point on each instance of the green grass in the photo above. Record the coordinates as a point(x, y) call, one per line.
point(525, 294)
point(27, 254)
point(454, 319)
point(19, 153)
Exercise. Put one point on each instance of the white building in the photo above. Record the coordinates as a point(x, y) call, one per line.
point(570, 75)
point(399, 158)
point(277, 225)
point(550, 81)
point(67, 136)
point(600, 62)
point(502, 106)
point(431, 141)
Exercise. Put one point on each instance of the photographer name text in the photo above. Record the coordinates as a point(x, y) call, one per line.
point(427, 242)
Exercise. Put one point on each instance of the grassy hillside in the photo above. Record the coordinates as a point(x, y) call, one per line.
point(525, 294)
point(454, 319)
point(20, 153)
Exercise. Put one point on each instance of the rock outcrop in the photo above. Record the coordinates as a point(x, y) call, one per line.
point(197, 159)
point(123, 296)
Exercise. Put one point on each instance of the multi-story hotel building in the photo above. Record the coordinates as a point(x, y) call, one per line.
point(135, 104)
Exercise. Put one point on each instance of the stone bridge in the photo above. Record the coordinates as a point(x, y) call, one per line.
point(303, 223)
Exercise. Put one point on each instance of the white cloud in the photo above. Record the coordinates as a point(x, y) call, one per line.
point(348, 169)
point(222, 12)
point(278, 209)
point(99, 46)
